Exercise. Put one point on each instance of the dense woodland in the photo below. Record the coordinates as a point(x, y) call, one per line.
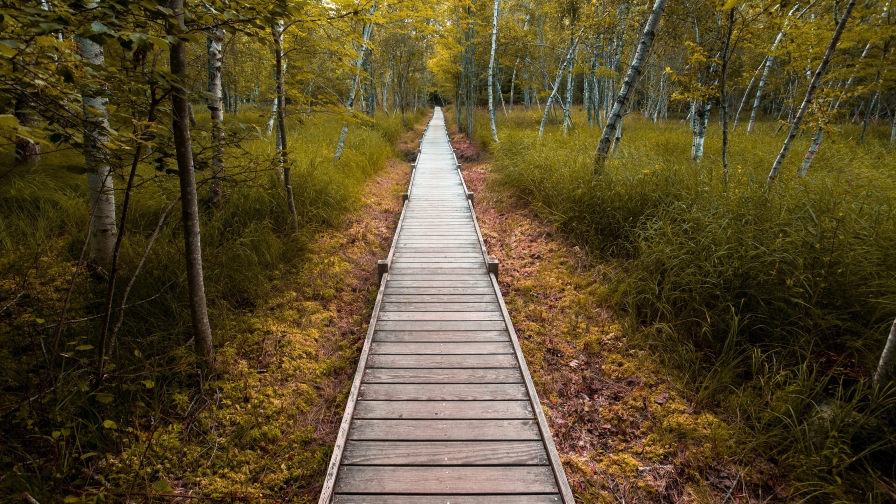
point(728, 167)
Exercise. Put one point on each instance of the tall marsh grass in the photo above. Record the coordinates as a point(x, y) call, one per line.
point(771, 302)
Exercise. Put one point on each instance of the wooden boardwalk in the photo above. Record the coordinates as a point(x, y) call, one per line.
point(442, 409)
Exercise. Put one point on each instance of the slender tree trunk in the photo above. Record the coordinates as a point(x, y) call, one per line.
point(281, 122)
point(180, 109)
point(631, 78)
point(365, 39)
point(747, 94)
point(724, 94)
point(491, 74)
point(566, 62)
point(882, 374)
point(810, 92)
point(103, 228)
point(569, 90)
point(768, 66)
point(867, 116)
point(701, 120)
point(27, 151)
point(513, 83)
point(215, 37)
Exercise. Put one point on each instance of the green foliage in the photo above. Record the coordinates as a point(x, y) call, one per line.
point(772, 302)
point(64, 432)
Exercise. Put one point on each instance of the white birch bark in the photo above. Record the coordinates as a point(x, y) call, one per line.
point(566, 62)
point(819, 132)
point(215, 38)
point(180, 109)
point(887, 357)
point(768, 66)
point(810, 92)
point(491, 74)
point(513, 83)
point(103, 228)
point(365, 39)
point(631, 78)
point(747, 93)
point(568, 104)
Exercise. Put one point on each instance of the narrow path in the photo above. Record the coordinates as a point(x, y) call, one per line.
point(442, 409)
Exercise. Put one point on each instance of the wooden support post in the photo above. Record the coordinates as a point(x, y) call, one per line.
point(470, 196)
point(405, 197)
point(459, 166)
point(382, 267)
point(492, 266)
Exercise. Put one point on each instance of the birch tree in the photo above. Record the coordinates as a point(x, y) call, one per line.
point(491, 74)
point(103, 229)
point(215, 103)
point(628, 84)
point(769, 60)
point(566, 62)
point(350, 104)
point(810, 92)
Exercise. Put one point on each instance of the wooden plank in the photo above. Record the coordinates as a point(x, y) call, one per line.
point(430, 480)
point(443, 361)
point(438, 256)
point(441, 325)
point(442, 271)
point(409, 268)
point(462, 375)
point(448, 306)
point(440, 315)
point(381, 347)
point(443, 392)
point(444, 430)
point(443, 499)
point(438, 283)
point(440, 336)
point(439, 298)
point(438, 276)
point(440, 291)
point(444, 410)
point(429, 453)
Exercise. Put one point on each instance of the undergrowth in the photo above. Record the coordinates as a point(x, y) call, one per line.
point(771, 303)
point(66, 436)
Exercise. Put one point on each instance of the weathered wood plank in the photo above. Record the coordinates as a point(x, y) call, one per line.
point(432, 307)
point(439, 315)
point(444, 430)
point(429, 480)
point(428, 453)
point(439, 298)
point(441, 325)
point(450, 499)
point(439, 291)
point(440, 336)
point(443, 392)
point(403, 264)
point(438, 283)
point(440, 348)
point(442, 271)
point(443, 361)
point(457, 375)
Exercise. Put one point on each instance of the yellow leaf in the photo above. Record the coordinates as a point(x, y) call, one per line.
point(728, 5)
point(8, 121)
